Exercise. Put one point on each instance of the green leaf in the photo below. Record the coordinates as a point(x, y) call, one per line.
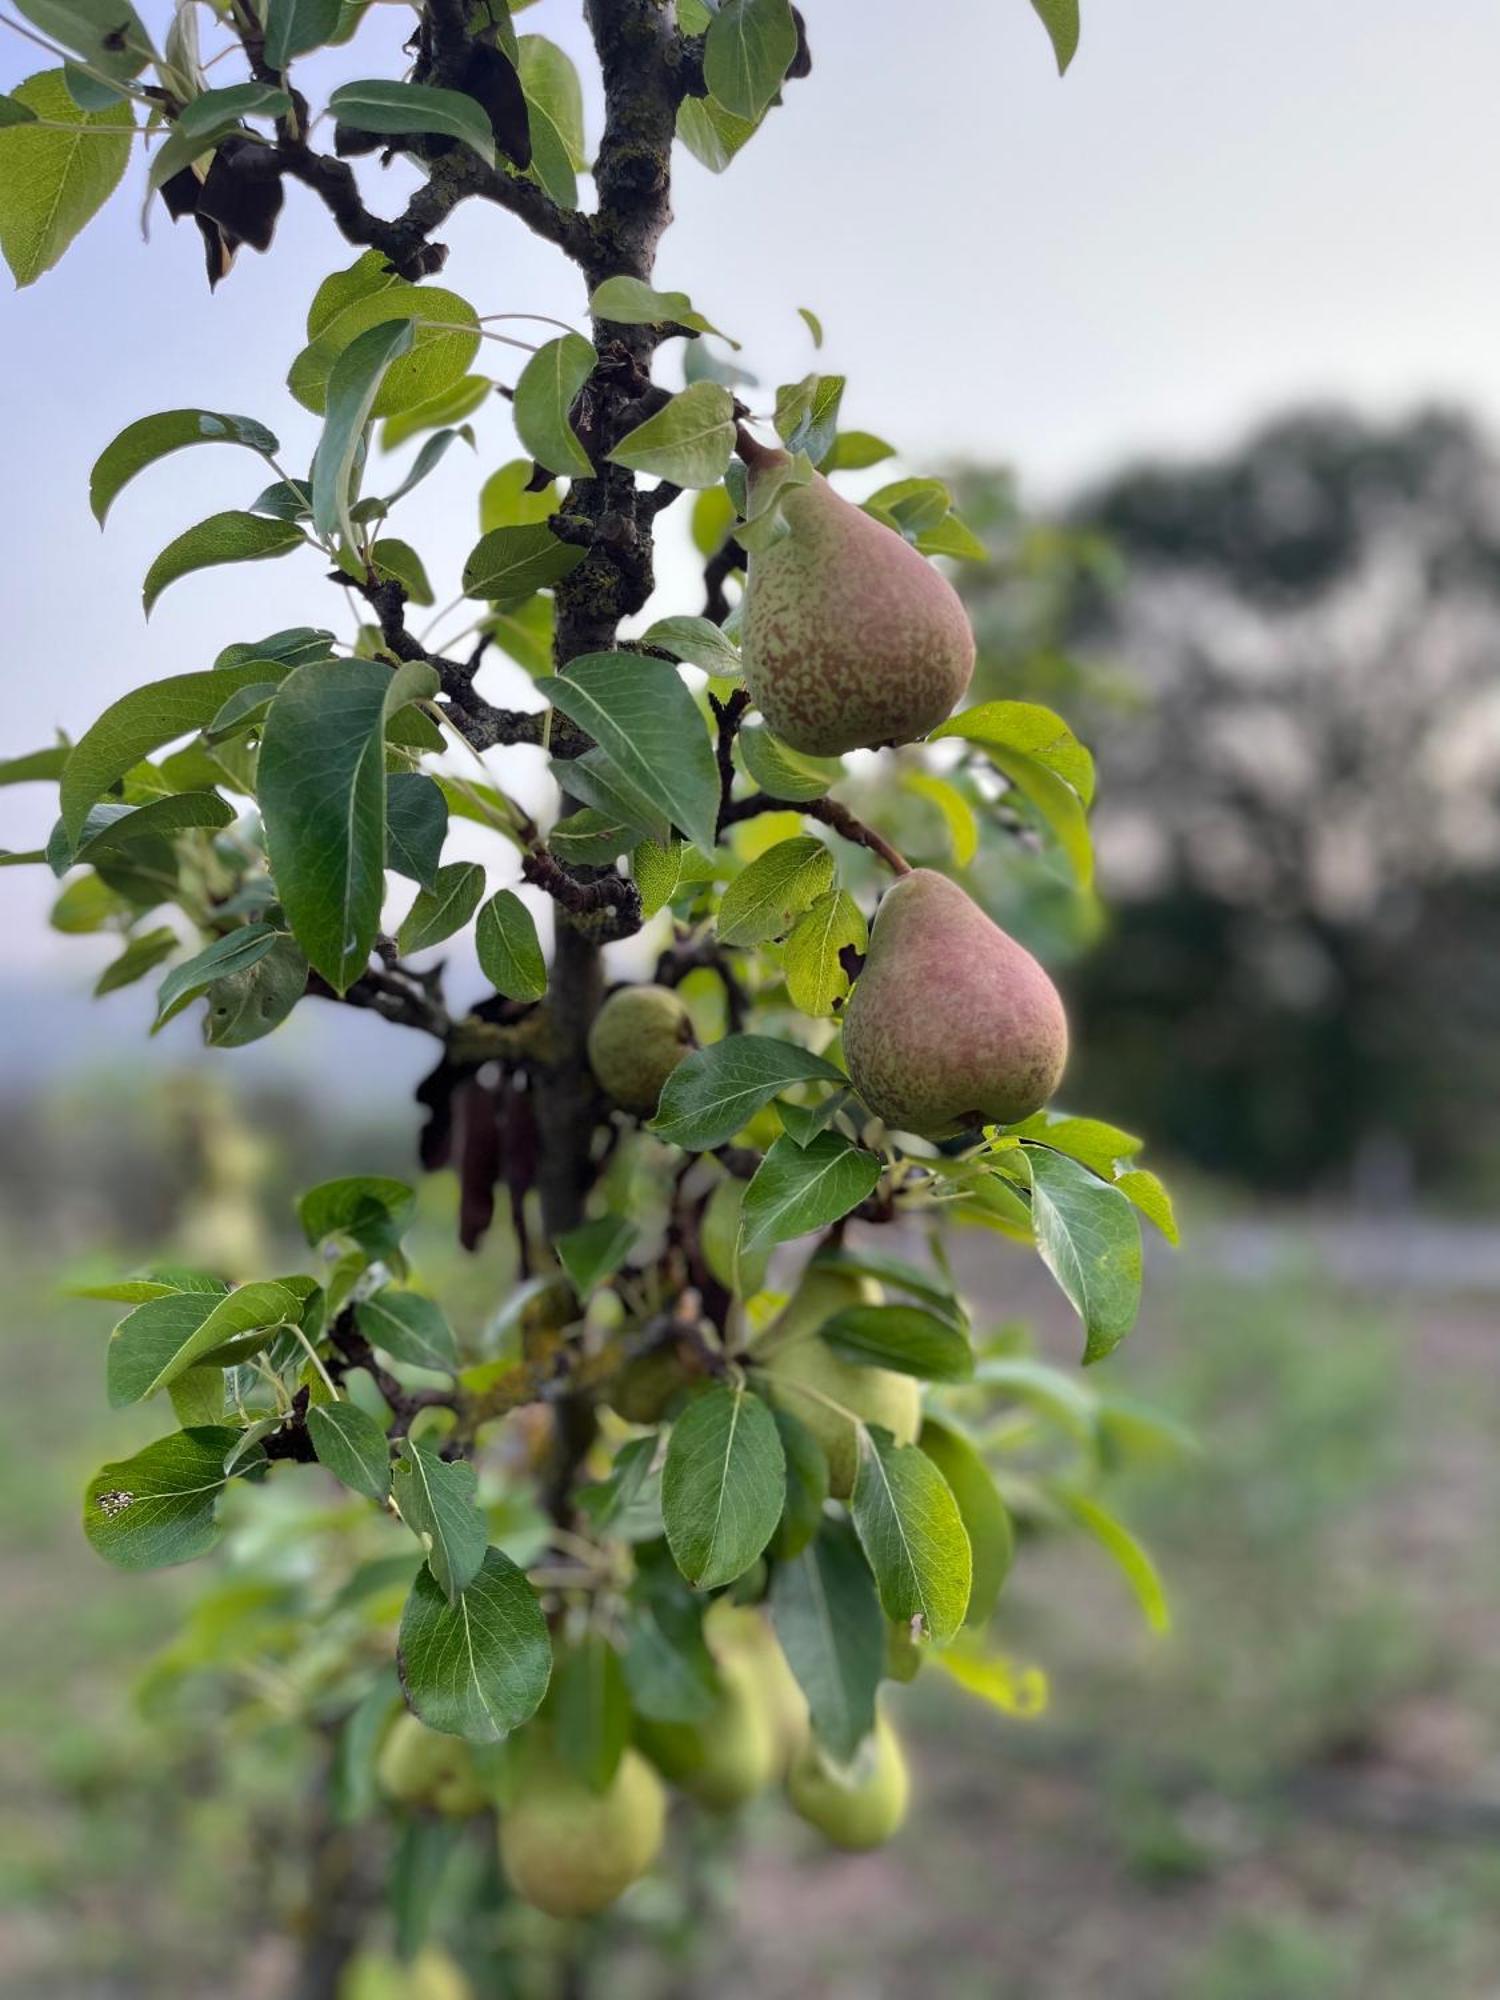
point(1060, 19)
point(108, 34)
point(1089, 1239)
point(142, 955)
point(235, 952)
point(689, 441)
point(595, 1250)
point(197, 1397)
point(437, 1498)
point(505, 502)
point(510, 952)
point(207, 119)
point(142, 443)
point(416, 825)
point(798, 1188)
point(409, 1327)
point(373, 1210)
point(545, 391)
point(52, 183)
point(36, 766)
point(165, 1337)
point(784, 773)
point(815, 977)
point(1116, 1539)
point(592, 838)
point(646, 723)
point(508, 564)
point(594, 779)
point(1004, 727)
point(246, 1005)
point(912, 1534)
point(449, 406)
point(223, 538)
point(443, 909)
point(806, 1481)
point(631, 302)
point(396, 109)
point(353, 385)
point(656, 870)
point(591, 1710)
point(295, 27)
point(716, 1090)
point(807, 414)
point(985, 1517)
point(853, 451)
point(668, 1667)
point(138, 723)
point(1145, 1192)
point(814, 324)
point(959, 821)
point(723, 1485)
point(478, 1667)
point(178, 812)
point(552, 87)
point(829, 1622)
point(157, 1508)
point(764, 900)
point(352, 1446)
point(322, 787)
point(13, 112)
point(905, 1338)
point(697, 640)
point(748, 50)
point(553, 164)
point(712, 134)
point(446, 335)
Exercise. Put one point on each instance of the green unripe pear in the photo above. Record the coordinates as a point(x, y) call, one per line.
point(856, 1808)
point(951, 1023)
point(643, 1389)
point(726, 1759)
point(419, 1766)
point(742, 1629)
point(637, 1039)
point(850, 638)
point(809, 1378)
point(571, 1851)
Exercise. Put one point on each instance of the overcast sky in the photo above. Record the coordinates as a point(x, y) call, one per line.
point(1221, 208)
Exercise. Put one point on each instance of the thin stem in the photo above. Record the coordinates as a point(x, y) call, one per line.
point(314, 1358)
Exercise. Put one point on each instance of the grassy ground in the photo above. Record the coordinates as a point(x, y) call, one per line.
point(1295, 1796)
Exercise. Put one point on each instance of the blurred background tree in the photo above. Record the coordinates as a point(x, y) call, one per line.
point(1285, 655)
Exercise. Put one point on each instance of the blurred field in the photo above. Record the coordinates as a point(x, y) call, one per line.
point(1296, 1796)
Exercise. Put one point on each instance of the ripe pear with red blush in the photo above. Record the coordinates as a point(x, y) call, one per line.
point(850, 639)
point(951, 1023)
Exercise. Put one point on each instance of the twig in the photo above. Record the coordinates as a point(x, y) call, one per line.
point(828, 812)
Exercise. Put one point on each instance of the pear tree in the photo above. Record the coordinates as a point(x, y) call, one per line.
point(732, 1453)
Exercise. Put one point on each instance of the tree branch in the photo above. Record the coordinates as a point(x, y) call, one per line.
point(828, 812)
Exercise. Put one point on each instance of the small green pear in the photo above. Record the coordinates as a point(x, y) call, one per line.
point(856, 1808)
point(723, 1761)
point(571, 1851)
point(810, 1379)
point(850, 639)
point(636, 1040)
point(745, 1630)
point(418, 1766)
point(951, 1023)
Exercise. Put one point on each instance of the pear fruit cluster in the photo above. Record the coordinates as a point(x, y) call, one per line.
point(758, 1722)
point(951, 1023)
point(850, 639)
point(831, 1396)
point(636, 1040)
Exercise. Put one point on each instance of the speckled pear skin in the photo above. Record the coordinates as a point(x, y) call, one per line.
point(951, 1023)
point(850, 639)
